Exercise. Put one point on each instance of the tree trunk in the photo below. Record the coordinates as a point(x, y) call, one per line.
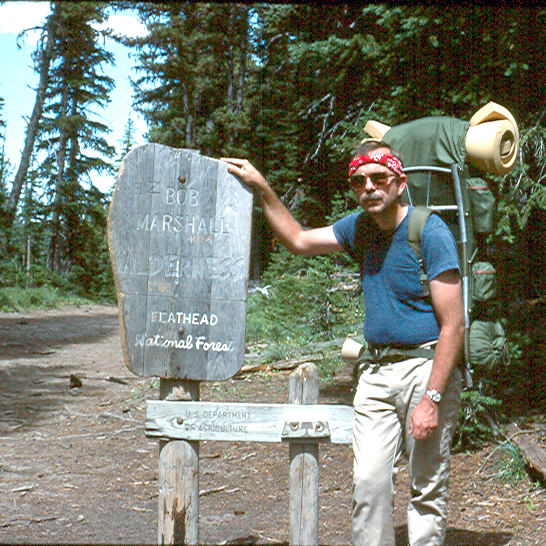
point(242, 60)
point(71, 213)
point(32, 128)
point(235, 92)
point(187, 114)
point(230, 69)
point(54, 253)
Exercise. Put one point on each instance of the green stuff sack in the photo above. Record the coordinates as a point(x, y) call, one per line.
point(484, 282)
point(482, 204)
point(488, 350)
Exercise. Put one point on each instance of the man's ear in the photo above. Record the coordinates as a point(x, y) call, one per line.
point(402, 182)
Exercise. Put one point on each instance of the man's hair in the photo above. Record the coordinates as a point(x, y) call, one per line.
point(370, 144)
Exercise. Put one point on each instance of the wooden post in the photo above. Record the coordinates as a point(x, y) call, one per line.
point(179, 238)
point(304, 389)
point(178, 503)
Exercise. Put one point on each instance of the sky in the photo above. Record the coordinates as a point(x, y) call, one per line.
point(18, 81)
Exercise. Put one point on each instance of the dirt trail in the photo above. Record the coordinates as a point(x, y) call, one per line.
point(76, 466)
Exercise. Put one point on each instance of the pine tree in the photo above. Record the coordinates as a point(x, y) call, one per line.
point(4, 161)
point(128, 140)
point(5, 169)
point(194, 60)
point(309, 56)
point(74, 142)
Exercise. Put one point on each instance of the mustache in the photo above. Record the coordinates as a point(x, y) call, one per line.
point(371, 197)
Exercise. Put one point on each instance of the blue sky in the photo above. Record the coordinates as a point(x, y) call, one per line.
point(18, 79)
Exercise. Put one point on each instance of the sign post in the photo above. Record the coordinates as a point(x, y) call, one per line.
point(179, 238)
point(178, 477)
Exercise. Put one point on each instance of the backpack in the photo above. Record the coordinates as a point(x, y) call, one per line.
point(487, 341)
point(488, 348)
point(482, 205)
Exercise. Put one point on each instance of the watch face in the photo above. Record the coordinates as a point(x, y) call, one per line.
point(435, 396)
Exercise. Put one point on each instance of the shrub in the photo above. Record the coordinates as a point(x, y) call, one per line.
point(303, 300)
point(477, 420)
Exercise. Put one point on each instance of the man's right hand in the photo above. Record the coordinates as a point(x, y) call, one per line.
point(246, 172)
point(288, 230)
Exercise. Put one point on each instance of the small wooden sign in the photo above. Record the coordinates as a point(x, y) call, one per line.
point(234, 421)
point(179, 237)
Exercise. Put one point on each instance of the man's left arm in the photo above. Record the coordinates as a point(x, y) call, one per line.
point(447, 300)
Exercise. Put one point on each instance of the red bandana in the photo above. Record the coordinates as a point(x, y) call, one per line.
point(389, 161)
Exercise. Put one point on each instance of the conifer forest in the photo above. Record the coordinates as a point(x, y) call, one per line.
point(288, 86)
point(291, 87)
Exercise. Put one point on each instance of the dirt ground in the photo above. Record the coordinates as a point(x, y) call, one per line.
point(76, 466)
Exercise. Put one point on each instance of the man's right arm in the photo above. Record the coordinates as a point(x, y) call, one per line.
point(284, 225)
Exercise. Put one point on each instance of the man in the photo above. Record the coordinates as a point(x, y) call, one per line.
point(406, 391)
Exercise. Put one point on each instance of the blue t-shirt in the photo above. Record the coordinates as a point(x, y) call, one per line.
point(397, 312)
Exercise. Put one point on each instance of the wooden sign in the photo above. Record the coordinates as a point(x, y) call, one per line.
point(236, 422)
point(179, 237)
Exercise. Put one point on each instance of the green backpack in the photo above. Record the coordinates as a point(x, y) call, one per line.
point(487, 342)
point(488, 349)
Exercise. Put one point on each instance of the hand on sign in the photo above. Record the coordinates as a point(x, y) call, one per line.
point(246, 172)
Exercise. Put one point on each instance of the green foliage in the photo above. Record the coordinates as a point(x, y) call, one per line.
point(507, 464)
point(91, 272)
point(127, 142)
point(15, 299)
point(59, 235)
point(89, 275)
point(14, 273)
point(304, 300)
point(511, 464)
point(523, 189)
point(476, 420)
point(195, 63)
point(74, 142)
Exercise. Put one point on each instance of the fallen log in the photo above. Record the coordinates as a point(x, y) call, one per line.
point(534, 454)
point(256, 362)
point(290, 364)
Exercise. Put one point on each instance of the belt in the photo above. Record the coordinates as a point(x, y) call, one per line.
point(378, 355)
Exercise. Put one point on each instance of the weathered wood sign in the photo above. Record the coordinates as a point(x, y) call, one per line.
point(249, 422)
point(179, 238)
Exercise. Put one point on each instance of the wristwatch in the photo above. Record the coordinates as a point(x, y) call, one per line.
point(434, 395)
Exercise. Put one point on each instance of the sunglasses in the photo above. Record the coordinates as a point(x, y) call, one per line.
point(377, 179)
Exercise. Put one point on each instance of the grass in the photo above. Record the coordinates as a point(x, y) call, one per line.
point(505, 464)
point(511, 464)
point(15, 299)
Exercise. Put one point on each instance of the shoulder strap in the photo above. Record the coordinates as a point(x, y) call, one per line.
point(417, 221)
point(362, 230)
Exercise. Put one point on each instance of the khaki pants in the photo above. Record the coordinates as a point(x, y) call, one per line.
point(385, 397)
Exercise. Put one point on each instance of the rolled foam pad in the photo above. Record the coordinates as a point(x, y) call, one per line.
point(376, 129)
point(492, 139)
